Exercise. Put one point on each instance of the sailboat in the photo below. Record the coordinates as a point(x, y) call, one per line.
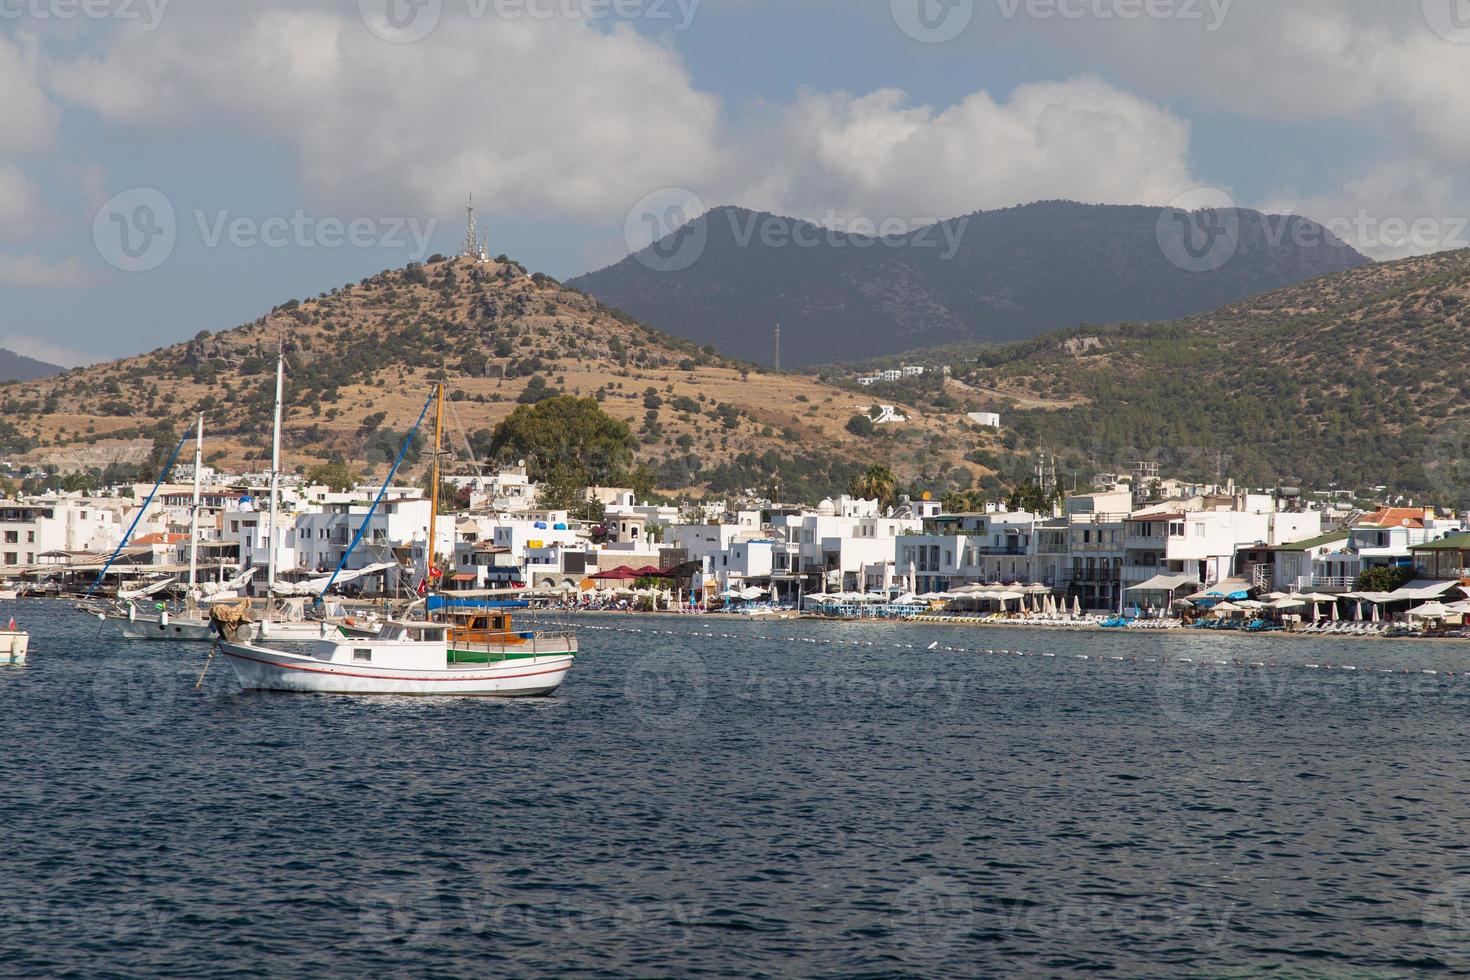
point(186, 626)
point(417, 657)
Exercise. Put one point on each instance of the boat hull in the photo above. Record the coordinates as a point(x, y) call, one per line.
point(263, 669)
point(174, 631)
point(13, 647)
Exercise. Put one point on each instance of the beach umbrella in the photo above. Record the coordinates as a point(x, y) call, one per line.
point(1375, 613)
point(1076, 605)
point(1358, 611)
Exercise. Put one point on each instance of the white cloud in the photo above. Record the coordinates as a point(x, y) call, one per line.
point(1390, 210)
point(533, 116)
point(28, 119)
point(557, 117)
point(880, 155)
point(1377, 68)
point(31, 271)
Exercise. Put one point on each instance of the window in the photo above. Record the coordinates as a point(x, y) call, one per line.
point(30, 537)
point(11, 558)
point(12, 537)
point(360, 656)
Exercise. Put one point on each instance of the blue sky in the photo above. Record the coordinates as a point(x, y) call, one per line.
point(270, 129)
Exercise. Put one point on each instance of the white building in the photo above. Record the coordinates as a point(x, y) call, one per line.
point(991, 420)
point(28, 530)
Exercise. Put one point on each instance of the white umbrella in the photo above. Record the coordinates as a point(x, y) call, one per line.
point(1076, 605)
point(1430, 610)
point(1375, 613)
point(1358, 611)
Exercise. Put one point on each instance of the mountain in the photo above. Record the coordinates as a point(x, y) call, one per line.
point(1355, 380)
point(360, 362)
point(729, 276)
point(18, 367)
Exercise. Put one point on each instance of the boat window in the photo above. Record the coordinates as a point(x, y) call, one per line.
point(361, 656)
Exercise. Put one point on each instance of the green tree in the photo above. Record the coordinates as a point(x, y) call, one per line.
point(1382, 579)
point(336, 476)
point(876, 483)
point(1031, 498)
point(570, 439)
point(861, 425)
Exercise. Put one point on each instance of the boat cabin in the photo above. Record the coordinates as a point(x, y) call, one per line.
point(413, 632)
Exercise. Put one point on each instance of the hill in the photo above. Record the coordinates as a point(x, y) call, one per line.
point(18, 367)
point(1355, 380)
point(361, 362)
point(990, 277)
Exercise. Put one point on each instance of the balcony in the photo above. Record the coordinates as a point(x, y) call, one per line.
point(1096, 575)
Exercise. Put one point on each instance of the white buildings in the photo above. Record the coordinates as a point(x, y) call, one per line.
point(1199, 538)
point(886, 415)
point(991, 420)
point(29, 530)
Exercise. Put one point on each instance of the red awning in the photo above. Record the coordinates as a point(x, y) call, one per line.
point(621, 572)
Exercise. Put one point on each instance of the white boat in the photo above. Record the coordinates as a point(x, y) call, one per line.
point(13, 646)
point(179, 629)
point(407, 658)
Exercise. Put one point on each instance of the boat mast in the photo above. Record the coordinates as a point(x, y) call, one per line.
point(194, 514)
point(270, 575)
point(434, 492)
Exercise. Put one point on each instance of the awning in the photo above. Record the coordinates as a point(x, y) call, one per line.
point(1166, 583)
point(462, 577)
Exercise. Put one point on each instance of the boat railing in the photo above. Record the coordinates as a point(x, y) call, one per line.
point(530, 643)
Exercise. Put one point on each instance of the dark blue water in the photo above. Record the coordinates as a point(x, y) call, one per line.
point(697, 806)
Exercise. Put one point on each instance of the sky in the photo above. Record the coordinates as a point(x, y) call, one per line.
point(171, 166)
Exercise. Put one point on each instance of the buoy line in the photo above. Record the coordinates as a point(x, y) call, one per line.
point(936, 647)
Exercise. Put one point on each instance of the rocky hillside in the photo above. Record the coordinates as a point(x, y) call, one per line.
point(728, 277)
point(1356, 380)
point(361, 362)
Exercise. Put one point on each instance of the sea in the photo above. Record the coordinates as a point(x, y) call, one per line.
point(710, 796)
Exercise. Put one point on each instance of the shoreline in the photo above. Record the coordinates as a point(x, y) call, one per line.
point(1015, 625)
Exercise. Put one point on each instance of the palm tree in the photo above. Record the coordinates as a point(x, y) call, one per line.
point(877, 483)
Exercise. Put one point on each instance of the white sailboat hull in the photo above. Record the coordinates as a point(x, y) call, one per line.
point(262, 669)
point(13, 647)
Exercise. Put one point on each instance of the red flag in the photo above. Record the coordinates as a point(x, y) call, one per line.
point(423, 588)
point(12, 624)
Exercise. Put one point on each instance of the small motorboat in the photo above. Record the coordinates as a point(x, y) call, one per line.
point(13, 645)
